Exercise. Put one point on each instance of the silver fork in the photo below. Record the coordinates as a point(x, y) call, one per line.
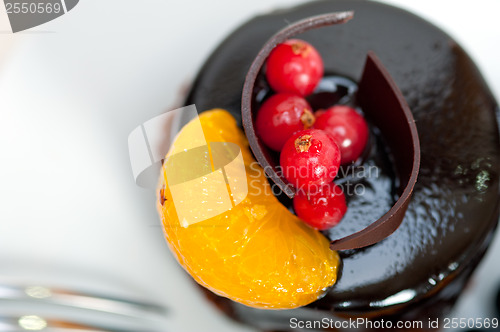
point(68, 310)
point(38, 323)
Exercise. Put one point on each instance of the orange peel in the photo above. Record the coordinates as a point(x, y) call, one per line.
point(256, 253)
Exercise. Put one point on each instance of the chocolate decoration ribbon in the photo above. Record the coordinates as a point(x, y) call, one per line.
point(383, 104)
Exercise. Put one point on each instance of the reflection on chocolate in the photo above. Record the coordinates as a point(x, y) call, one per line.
point(420, 270)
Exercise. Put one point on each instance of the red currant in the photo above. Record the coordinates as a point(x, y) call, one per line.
point(294, 66)
point(310, 159)
point(321, 209)
point(348, 128)
point(280, 116)
point(319, 113)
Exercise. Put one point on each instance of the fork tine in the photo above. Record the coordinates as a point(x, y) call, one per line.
point(38, 323)
point(83, 300)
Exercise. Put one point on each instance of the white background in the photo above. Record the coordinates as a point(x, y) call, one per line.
point(73, 89)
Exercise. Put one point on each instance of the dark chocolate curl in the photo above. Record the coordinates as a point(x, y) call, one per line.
point(383, 103)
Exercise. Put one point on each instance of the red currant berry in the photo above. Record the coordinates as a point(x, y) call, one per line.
point(348, 128)
point(294, 66)
point(310, 159)
point(280, 116)
point(321, 209)
point(319, 113)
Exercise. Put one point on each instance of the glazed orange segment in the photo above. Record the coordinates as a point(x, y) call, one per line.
point(257, 253)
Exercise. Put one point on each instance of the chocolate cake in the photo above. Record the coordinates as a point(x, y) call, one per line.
point(419, 271)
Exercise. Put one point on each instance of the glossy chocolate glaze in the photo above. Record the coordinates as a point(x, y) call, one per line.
point(454, 209)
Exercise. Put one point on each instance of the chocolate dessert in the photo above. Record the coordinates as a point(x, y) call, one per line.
point(419, 271)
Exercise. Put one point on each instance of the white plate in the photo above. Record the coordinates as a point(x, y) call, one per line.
point(73, 89)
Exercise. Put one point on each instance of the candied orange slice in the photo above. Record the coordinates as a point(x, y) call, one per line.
point(257, 252)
